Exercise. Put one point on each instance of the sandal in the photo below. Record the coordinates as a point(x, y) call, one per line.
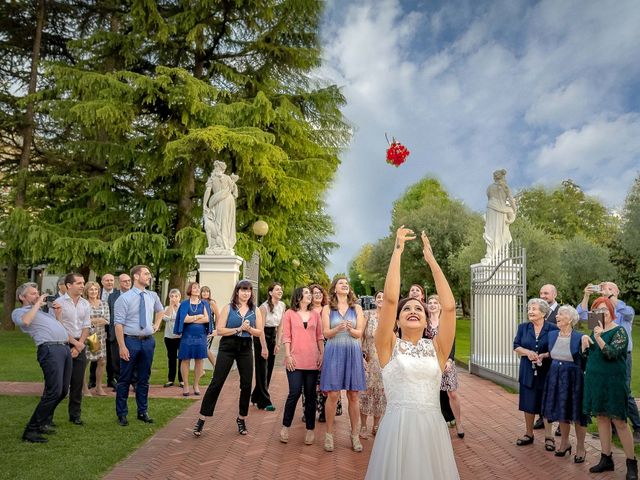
point(242, 427)
point(526, 440)
point(550, 444)
point(579, 459)
point(197, 430)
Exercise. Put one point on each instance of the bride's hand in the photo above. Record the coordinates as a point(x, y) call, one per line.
point(426, 247)
point(402, 235)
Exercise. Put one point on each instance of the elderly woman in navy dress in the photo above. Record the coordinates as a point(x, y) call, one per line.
point(532, 344)
point(562, 397)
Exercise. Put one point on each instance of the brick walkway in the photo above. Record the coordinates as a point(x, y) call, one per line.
point(492, 423)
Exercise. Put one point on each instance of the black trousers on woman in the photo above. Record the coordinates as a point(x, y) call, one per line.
point(231, 349)
point(299, 380)
point(173, 345)
point(264, 368)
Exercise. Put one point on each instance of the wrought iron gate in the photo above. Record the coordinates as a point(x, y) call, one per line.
point(498, 306)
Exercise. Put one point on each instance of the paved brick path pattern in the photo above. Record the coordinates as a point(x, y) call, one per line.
point(491, 419)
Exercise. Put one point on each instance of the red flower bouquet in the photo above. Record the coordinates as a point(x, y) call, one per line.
point(397, 153)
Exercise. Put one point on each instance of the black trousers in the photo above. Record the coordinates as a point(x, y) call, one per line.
point(231, 349)
point(299, 380)
point(173, 345)
point(55, 361)
point(78, 368)
point(113, 347)
point(264, 368)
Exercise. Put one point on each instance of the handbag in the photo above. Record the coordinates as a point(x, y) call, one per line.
point(93, 342)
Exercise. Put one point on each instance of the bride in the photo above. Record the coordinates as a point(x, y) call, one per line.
point(412, 441)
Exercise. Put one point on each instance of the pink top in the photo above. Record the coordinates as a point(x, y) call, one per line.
point(304, 341)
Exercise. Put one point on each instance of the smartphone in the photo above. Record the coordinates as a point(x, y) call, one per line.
point(50, 299)
point(595, 288)
point(595, 319)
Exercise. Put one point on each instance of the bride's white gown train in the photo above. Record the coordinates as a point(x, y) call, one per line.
point(413, 440)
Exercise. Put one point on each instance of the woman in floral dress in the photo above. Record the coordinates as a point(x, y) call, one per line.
point(372, 401)
point(99, 318)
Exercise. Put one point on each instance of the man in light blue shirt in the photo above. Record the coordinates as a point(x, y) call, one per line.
point(134, 321)
point(54, 357)
point(624, 318)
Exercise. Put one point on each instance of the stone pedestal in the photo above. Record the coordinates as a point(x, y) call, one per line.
point(220, 273)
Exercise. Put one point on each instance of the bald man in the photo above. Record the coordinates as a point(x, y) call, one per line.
point(548, 293)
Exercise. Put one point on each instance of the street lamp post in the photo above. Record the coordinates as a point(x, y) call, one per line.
point(260, 229)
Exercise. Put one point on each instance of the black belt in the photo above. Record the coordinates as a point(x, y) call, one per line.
point(139, 337)
point(53, 343)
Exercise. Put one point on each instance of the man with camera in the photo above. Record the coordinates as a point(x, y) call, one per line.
point(624, 318)
point(74, 312)
point(53, 355)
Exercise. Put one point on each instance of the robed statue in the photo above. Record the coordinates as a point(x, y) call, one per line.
point(219, 211)
point(501, 212)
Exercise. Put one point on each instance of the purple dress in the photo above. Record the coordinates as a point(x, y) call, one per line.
point(342, 367)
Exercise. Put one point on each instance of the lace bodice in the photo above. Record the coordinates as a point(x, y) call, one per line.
point(413, 375)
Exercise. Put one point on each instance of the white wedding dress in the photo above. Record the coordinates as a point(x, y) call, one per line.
point(413, 440)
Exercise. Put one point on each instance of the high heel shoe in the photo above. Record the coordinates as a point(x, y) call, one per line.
point(328, 442)
point(242, 426)
point(562, 453)
point(355, 443)
point(197, 430)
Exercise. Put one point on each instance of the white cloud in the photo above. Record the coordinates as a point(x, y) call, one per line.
point(544, 90)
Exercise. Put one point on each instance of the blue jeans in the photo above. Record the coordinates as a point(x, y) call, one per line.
point(299, 379)
point(140, 359)
point(632, 407)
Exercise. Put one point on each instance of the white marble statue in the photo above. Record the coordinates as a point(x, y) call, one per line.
point(501, 212)
point(219, 211)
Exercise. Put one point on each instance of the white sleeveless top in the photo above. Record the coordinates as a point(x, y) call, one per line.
point(274, 317)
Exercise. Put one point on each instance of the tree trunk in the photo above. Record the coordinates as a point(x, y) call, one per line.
point(11, 278)
point(178, 275)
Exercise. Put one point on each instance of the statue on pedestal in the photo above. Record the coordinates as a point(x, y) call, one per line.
point(219, 211)
point(501, 212)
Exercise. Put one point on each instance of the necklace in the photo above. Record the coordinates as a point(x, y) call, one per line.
point(194, 308)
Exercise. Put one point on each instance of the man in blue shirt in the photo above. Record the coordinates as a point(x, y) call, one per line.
point(624, 318)
point(53, 355)
point(134, 327)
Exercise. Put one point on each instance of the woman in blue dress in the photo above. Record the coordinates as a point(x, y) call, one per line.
point(342, 367)
point(194, 322)
point(532, 344)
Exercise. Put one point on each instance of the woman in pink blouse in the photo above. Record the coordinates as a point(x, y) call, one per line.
point(304, 347)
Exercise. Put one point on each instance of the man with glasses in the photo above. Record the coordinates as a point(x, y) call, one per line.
point(624, 318)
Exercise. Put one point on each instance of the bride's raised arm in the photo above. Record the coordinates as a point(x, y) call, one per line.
point(447, 327)
point(385, 336)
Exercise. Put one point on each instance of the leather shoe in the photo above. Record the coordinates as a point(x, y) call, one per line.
point(122, 421)
point(47, 430)
point(539, 424)
point(144, 417)
point(33, 437)
point(76, 421)
point(91, 385)
point(112, 383)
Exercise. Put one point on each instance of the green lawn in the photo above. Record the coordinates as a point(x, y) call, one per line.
point(76, 452)
point(18, 360)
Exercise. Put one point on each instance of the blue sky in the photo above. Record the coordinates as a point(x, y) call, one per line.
point(549, 90)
